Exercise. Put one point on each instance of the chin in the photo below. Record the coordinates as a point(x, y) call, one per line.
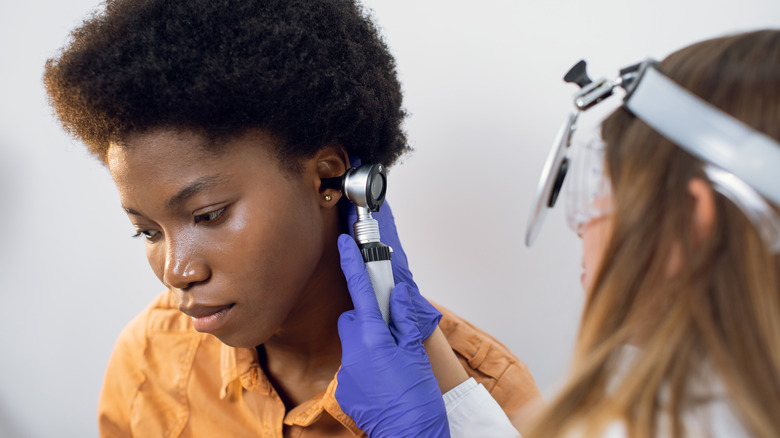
point(238, 341)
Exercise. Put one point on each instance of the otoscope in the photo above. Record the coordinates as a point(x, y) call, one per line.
point(366, 186)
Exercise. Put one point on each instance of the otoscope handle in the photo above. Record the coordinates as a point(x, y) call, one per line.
point(377, 255)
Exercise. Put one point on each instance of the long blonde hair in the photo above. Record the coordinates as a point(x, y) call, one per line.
point(720, 310)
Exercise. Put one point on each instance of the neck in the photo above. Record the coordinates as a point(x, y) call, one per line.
point(304, 354)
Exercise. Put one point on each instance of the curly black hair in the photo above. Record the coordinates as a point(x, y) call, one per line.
point(313, 72)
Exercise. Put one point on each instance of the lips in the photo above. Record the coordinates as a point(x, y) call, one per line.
point(208, 319)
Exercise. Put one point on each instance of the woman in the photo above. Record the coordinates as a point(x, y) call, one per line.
point(680, 333)
point(217, 121)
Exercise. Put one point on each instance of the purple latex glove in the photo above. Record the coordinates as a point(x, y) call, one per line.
point(427, 315)
point(385, 382)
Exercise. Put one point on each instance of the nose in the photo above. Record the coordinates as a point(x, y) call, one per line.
point(185, 265)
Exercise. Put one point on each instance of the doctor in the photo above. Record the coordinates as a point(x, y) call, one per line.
point(677, 207)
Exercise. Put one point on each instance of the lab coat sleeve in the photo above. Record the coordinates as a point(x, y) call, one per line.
point(471, 412)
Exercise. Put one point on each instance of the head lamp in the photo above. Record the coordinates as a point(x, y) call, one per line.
point(741, 162)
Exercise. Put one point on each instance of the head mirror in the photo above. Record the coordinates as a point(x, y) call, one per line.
point(551, 180)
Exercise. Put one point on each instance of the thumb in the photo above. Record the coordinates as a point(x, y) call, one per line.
point(346, 325)
point(348, 330)
point(358, 281)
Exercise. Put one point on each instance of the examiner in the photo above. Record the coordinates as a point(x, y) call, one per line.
point(677, 208)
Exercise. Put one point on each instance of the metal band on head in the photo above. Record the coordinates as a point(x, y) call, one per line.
point(706, 132)
point(741, 162)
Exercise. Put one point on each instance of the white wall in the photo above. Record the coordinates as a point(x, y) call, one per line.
point(483, 86)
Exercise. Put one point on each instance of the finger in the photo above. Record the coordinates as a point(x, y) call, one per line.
point(358, 280)
point(348, 326)
point(355, 161)
point(403, 318)
point(361, 341)
point(428, 316)
point(389, 236)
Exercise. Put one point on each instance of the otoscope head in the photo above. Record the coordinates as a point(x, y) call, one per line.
point(365, 186)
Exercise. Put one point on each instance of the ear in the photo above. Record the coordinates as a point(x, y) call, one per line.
point(703, 208)
point(703, 221)
point(331, 161)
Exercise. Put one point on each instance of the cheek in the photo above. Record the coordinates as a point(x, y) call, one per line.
point(592, 247)
point(277, 248)
point(594, 242)
point(156, 257)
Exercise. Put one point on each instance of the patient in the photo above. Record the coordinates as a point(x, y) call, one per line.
point(217, 120)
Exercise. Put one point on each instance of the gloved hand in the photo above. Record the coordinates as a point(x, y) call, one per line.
point(385, 382)
point(427, 315)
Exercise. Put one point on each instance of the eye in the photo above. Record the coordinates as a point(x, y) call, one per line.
point(212, 216)
point(148, 234)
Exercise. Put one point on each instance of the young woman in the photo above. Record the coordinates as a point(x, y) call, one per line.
point(217, 121)
point(678, 212)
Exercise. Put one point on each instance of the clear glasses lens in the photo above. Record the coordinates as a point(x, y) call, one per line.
point(588, 191)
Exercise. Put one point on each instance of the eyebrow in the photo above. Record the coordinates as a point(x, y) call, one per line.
point(197, 186)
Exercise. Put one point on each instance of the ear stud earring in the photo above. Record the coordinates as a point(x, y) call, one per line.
point(327, 198)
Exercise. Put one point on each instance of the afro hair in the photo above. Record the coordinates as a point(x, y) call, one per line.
point(313, 72)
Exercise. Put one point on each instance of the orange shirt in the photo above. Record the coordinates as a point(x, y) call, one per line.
point(165, 379)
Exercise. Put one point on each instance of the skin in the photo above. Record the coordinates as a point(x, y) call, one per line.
point(235, 233)
point(595, 235)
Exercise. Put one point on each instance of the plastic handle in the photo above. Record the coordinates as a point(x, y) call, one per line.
point(381, 273)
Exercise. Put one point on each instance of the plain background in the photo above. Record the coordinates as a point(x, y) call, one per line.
point(482, 81)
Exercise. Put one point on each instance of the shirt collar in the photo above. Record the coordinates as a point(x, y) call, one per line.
point(241, 370)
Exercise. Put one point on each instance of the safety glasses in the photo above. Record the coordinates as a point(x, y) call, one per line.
point(588, 193)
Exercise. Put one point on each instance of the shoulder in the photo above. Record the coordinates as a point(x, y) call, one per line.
point(491, 363)
point(157, 337)
point(149, 369)
point(160, 317)
point(142, 339)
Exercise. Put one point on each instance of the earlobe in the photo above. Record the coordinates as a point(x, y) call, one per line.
point(704, 207)
point(331, 161)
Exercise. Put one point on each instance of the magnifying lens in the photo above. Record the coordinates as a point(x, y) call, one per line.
point(551, 180)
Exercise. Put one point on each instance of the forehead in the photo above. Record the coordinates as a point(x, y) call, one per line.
point(159, 148)
point(172, 152)
point(166, 160)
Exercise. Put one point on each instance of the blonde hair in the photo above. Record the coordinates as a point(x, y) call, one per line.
point(720, 310)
